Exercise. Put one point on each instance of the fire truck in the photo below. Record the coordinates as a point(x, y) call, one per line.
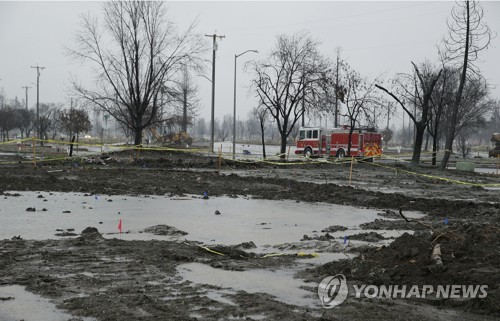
point(318, 142)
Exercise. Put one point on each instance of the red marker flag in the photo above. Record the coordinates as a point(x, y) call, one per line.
point(120, 226)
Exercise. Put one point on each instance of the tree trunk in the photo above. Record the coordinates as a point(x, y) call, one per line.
point(283, 146)
point(419, 138)
point(71, 146)
point(263, 141)
point(184, 112)
point(434, 150)
point(458, 98)
point(349, 145)
point(138, 137)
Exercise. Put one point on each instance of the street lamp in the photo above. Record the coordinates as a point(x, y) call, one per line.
point(234, 112)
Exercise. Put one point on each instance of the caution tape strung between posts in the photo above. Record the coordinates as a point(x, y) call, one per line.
point(276, 162)
point(301, 254)
point(435, 177)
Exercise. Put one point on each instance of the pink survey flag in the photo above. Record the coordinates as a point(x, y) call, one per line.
point(120, 225)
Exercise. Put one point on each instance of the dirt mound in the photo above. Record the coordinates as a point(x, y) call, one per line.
point(367, 237)
point(164, 230)
point(470, 256)
point(90, 234)
point(334, 228)
point(378, 224)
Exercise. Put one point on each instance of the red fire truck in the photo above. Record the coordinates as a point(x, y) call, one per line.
point(316, 141)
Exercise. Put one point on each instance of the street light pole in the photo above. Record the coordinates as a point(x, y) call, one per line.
point(234, 111)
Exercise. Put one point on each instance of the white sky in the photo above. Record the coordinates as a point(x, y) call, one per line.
point(377, 38)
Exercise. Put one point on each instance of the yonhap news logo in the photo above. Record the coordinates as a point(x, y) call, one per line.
point(333, 291)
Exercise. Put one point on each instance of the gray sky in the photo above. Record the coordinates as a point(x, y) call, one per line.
point(377, 38)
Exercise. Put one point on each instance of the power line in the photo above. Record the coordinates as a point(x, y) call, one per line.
point(337, 18)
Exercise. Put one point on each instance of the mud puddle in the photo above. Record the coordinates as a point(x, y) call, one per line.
point(42, 215)
point(18, 304)
point(279, 283)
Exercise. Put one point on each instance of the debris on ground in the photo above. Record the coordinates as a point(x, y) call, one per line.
point(164, 230)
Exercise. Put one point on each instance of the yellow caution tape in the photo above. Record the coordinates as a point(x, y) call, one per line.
point(275, 160)
point(301, 254)
point(308, 254)
point(212, 251)
point(435, 177)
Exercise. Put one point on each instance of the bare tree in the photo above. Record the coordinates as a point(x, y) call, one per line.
point(24, 121)
point(287, 79)
point(134, 56)
point(201, 127)
point(252, 124)
point(48, 114)
point(494, 122)
point(183, 97)
point(418, 88)
point(7, 121)
point(74, 121)
point(359, 100)
point(468, 34)
point(442, 98)
point(474, 107)
point(223, 130)
point(262, 113)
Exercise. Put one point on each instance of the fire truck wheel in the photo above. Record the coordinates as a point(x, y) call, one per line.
point(340, 153)
point(308, 152)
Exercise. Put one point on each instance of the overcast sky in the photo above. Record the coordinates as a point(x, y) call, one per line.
point(377, 38)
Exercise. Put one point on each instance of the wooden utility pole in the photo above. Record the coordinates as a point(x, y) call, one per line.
point(336, 123)
point(39, 127)
point(26, 88)
point(212, 120)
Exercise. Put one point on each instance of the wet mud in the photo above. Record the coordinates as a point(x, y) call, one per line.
point(88, 275)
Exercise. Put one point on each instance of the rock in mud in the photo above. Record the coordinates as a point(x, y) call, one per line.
point(389, 214)
point(334, 228)
point(91, 234)
point(65, 233)
point(164, 230)
point(391, 225)
point(367, 237)
point(246, 245)
point(325, 237)
point(311, 245)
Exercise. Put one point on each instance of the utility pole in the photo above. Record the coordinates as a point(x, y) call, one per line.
point(336, 91)
point(303, 97)
point(39, 129)
point(212, 120)
point(26, 88)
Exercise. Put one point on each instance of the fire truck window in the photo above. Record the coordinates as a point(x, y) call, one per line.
point(302, 134)
point(315, 134)
point(309, 134)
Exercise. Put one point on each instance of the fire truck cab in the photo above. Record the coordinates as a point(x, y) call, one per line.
point(317, 141)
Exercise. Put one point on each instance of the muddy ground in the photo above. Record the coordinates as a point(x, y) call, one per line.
point(111, 279)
